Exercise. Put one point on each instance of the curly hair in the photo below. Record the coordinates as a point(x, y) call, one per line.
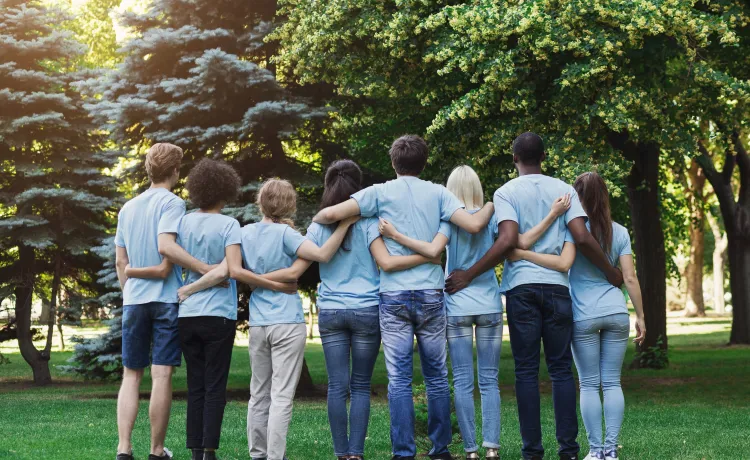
point(211, 182)
point(162, 160)
point(277, 200)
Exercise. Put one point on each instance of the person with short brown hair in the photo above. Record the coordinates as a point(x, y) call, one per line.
point(149, 313)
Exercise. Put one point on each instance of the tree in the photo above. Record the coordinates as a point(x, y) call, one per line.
point(694, 305)
point(55, 202)
point(719, 257)
point(601, 80)
point(199, 74)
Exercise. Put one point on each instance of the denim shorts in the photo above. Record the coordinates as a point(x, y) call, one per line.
point(149, 330)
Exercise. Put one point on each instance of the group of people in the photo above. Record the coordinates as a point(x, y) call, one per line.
point(382, 282)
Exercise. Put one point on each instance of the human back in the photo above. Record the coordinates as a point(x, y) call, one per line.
point(593, 295)
point(527, 200)
point(416, 207)
point(205, 236)
point(268, 247)
point(141, 220)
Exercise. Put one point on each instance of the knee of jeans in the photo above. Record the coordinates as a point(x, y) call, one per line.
point(591, 383)
point(338, 388)
point(398, 386)
point(610, 383)
point(488, 382)
point(360, 387)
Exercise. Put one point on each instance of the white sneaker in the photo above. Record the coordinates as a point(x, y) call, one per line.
point(594, 456)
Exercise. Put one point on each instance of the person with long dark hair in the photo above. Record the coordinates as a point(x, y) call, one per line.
point(348, 299)
point(601, 323)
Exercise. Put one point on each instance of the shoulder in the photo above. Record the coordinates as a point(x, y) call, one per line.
point(620, 231)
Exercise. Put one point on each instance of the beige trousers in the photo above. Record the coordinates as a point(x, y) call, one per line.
point(276, 354)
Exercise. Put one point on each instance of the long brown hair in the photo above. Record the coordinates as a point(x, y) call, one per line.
point(343, 179)
point(277, 200)
point(594, 196)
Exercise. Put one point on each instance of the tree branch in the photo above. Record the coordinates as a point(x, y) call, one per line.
point(705, 161)
point(743, 163)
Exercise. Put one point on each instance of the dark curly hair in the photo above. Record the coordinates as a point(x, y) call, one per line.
point(211, 182)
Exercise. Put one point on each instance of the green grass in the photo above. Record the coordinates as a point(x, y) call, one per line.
point(696, 409)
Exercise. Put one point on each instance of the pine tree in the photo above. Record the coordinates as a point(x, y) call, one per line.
point(200, 74)
point(56, 203)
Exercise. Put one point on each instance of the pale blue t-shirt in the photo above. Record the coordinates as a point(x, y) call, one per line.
point(482, 296)
point(593, 296)
point(416, 208)
point(267, 248)
point(205, 237)
point(527, 200)
point(139, 224)
point(351, 279)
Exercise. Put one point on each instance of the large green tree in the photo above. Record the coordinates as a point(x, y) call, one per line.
point(602, 81)
point(55, 200)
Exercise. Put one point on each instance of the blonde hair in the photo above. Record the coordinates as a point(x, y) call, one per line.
point(464, 183)
point(277, 200)
point(162, 160)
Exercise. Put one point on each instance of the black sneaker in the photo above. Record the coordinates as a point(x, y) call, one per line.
point(397, 457)
point(568, 457)
point(125, 456)
point(443, 456)
point(210, 455)
point(197, 454)
point(167, 455)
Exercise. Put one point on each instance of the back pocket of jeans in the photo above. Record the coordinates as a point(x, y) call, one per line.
point(393, 318)
point(563, 308)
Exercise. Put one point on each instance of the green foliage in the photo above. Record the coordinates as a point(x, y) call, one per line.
point(655, 357)
point(56, 202)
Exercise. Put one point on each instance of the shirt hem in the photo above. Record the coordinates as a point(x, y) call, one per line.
point(274, 323)
point(174, 301)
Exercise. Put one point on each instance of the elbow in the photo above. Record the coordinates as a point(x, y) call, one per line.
point(630, 279)
point(386, 267)
point(522, 244)
point(233, 272)
point(164, 250)
point(474, 228)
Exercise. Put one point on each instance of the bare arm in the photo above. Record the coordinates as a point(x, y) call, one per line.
point(169, 248)
point(341, 211)
point(237, 272)
point(390, 263)
point(561, 263)
point(634, 291)
point(590, 248)
point(473, 223)
point(160, 271)
point(430, 249)
point(506, 241)
point(559, 207)
point(311, 251)
point(291, 274)
point(121, 263)
point(209, 280)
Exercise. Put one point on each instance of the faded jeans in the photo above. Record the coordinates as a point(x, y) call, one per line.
point(403, 315)
point(599, 346)
point(489, 336)
point(351, 343)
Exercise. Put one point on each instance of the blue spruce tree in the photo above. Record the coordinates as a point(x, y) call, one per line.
point(55, 201)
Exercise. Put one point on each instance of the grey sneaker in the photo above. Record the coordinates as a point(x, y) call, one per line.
point(611, 454)
point(594, 456)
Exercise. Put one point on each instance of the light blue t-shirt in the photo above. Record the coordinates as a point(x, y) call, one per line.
point(267, 248)
point(482, 296)
point(139, 224)
point(527, 200)
point(205, 237)
point(416, 208)
point(351, 279)
point(593, 296)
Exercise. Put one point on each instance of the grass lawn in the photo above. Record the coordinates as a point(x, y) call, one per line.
point(699, 408)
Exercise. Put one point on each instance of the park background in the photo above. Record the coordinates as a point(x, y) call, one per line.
point(652, 94)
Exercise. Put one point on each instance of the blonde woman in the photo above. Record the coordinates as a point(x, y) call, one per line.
point(475, 310)
point(277, 323)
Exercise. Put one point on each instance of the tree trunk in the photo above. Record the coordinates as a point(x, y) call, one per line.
point(53, 306)
point(739, 274)
point(643, 195)
point(313, 305)
point(694, 305)
point(719, 260)
point(306, 387)
point(24, 291)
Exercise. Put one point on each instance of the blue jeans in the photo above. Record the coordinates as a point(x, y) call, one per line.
point(150, 329)
point(599, 346)
point(403, 315)
point(489, 333)
point(536, 313)
point(349, 335)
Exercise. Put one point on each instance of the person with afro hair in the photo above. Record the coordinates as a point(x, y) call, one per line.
point(208, 310)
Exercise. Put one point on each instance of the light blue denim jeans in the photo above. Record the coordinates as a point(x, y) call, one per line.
point(489, 336)
point(404, 315)
point(599, 346)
